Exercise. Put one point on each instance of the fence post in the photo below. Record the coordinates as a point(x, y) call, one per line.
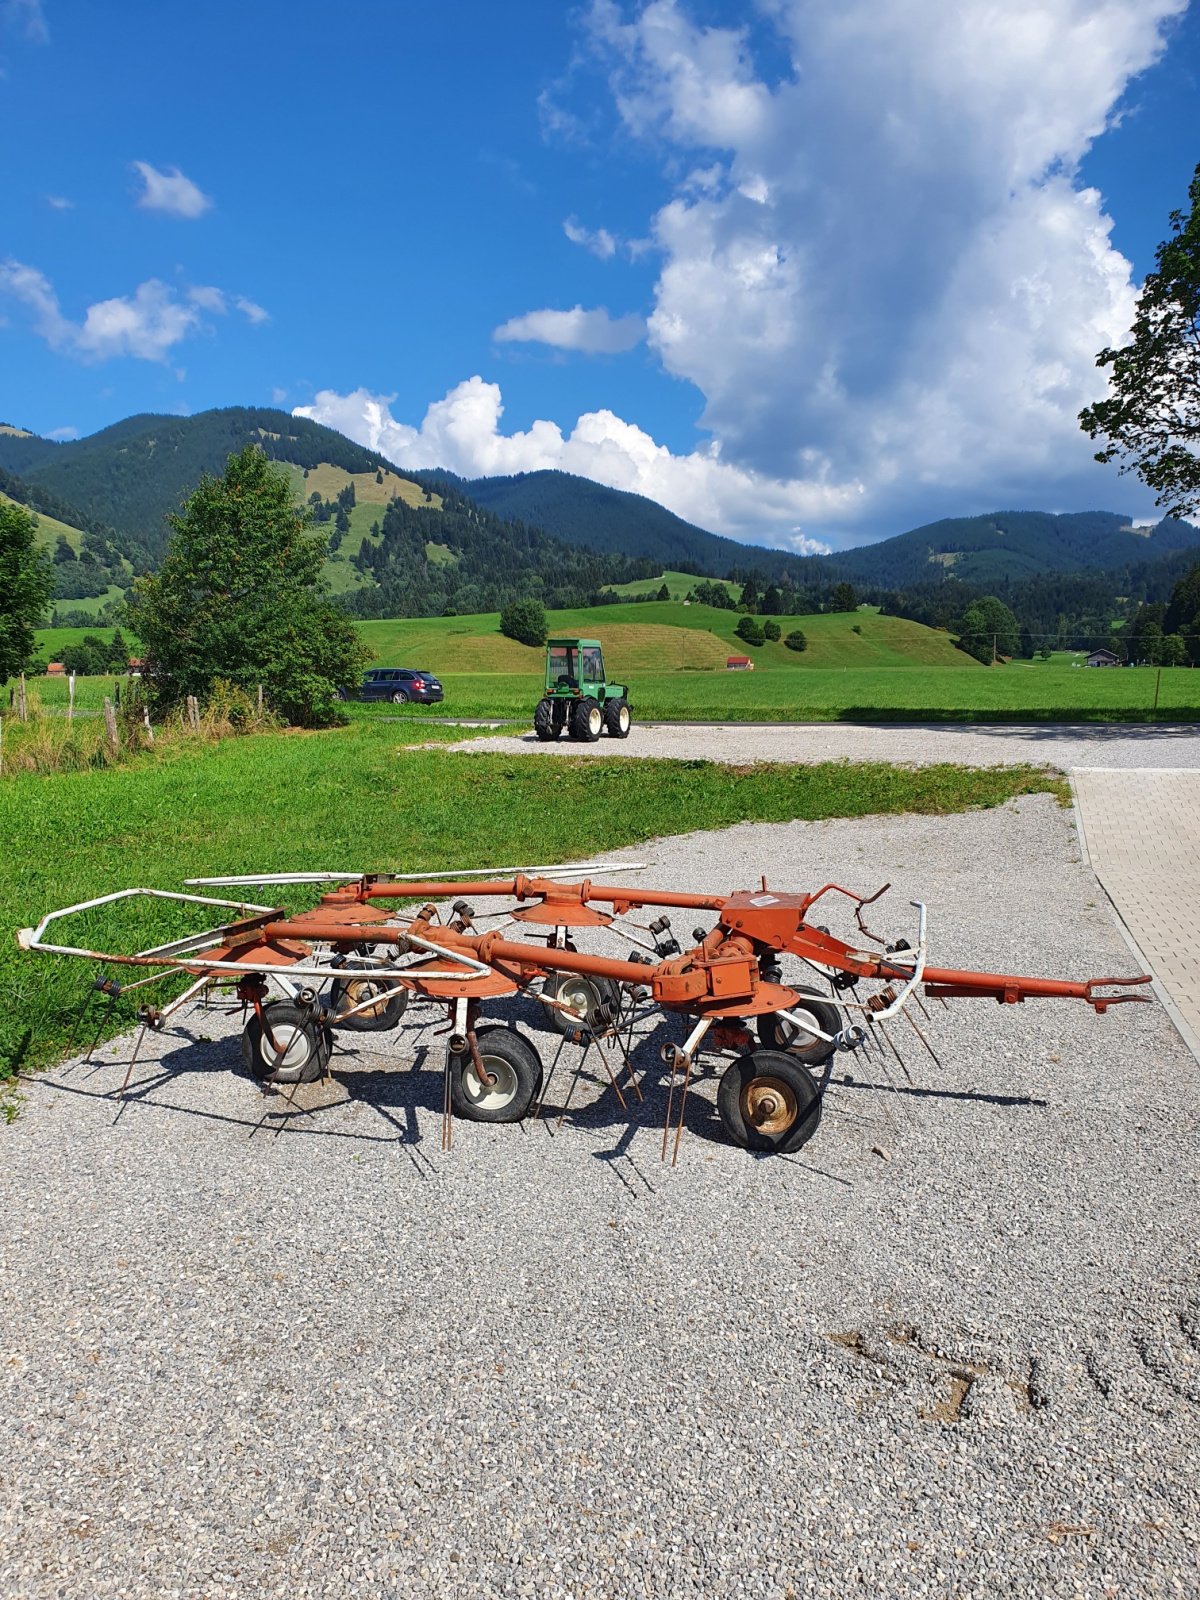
point(193, 713)
point(260, 699)
point(146, 724)
point(110, 727)
point(22, 704)
point(70, 696)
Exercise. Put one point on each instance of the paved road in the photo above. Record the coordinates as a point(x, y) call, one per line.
point(1141, 831)
point(1066, 745)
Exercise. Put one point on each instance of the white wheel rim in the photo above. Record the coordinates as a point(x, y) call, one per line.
point(793, 1035)
point(579, 996)
point(623, 719)
point(292, 1050)
point(595, 720)
point(490, 1096)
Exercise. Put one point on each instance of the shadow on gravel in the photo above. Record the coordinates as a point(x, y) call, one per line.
point(921, 1092)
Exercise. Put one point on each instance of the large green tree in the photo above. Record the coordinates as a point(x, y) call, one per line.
point(1151, 416)
point(26, 584)
point(240, 597)
point(989, 630)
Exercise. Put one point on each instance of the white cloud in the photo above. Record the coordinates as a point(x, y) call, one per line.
point(592, 332)
point(462, 432)
point(170, 191)
point(890, 278)
point(58, 202)
point(252, 312)
point(26, 17)
point(60, 435)
point(146, 324)
point(278, 396)
point(208, 298)
point(599, 241)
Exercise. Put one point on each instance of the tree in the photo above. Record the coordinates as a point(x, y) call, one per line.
point(1151, 415)
point(796, 640)
point(989, 630)
point(751, 630)
point(748, 599)
point(771, 631)
point(1183, 608)
point(62, 550)
point(118, 652)
point(772, 602)
point(843, 598)
point(664, 593)
point(89, 658)
point(26, 584)
point(239, 597)
point(524, 621)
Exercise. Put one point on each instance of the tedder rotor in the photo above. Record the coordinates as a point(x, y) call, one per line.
point(356, 959)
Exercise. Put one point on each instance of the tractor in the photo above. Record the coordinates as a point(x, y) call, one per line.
point(578, 695)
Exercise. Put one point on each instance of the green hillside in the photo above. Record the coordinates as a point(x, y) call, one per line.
point(49, 531)
point(663, 636)
point(679, 583)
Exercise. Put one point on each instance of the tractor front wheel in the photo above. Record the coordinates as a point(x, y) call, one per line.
point(768, 1101)
point(618, 719)
point(545, 724)
point(587, 720)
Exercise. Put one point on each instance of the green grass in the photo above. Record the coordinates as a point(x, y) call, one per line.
point(679, 584)
point(365, 798)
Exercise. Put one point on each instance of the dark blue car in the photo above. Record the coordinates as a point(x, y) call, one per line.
point(400, 685)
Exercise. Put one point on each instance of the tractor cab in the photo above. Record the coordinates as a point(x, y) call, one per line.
point(578, 696)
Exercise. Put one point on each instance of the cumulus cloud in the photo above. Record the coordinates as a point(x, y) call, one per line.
point(592, 332)
point(889, 276)
point(462, 432)
point(146, 324)
point(599, 241)
point(61, 435)
point(170, 192)
point(252, 312)
point(59, 202)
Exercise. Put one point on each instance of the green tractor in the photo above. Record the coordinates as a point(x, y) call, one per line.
point(578, 696)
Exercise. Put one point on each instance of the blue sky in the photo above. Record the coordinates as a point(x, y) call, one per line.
point(808, 275)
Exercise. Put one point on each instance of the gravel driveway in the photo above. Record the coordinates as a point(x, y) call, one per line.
point(249, 1353)
point(972, 744)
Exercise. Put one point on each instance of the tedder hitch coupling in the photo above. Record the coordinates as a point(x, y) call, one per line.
point(356, 959)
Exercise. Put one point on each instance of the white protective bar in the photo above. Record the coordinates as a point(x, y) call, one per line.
point(418, 877)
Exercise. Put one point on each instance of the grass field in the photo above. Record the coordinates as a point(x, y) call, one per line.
point(678, 583)
point(364, 798)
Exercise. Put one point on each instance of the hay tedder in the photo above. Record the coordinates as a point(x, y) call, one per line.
point(356, 959)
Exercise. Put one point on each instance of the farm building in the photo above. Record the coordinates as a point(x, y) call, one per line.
point(1103, 658)
point(739, 664)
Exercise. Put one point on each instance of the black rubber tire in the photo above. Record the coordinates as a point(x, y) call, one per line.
point(618, 719)
point(777, 1033)
point(510, 1057)
point(594, 992)
point(545, 725)
point(340, 694)
point(352, 991)
point(399, 697)
point(781, 1080)
point(587, 720)
point(305, 1043)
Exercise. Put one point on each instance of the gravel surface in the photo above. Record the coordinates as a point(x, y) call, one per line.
point(971, 744)
point(254, 1351)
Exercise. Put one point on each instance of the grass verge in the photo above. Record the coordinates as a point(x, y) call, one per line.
point(368, 797)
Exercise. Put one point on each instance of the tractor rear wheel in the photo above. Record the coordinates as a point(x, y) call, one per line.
point(777, 1033)
point(768, 1101)
point(585, 995)
point(545, 724)
point(587, 720)
point(516, 1072)
point(618, 719)
point(288, 1044)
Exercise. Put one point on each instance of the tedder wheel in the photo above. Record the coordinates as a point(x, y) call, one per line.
point(545, 724)
point(768, 1101)
point(583, 994)
point(399, 697)
point(393, 1000)
point(515, 1066)
point(301, 1047)
point(617, 719)
point(587, 720)
point(777, 1033)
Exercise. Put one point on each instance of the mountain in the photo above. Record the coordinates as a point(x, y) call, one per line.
point(581, 512)
point(127, 477)
point(1006, 546)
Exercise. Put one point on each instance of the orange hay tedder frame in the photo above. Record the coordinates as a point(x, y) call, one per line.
point(355, 960)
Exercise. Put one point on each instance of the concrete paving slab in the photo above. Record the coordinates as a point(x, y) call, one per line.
point(1141, 832)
